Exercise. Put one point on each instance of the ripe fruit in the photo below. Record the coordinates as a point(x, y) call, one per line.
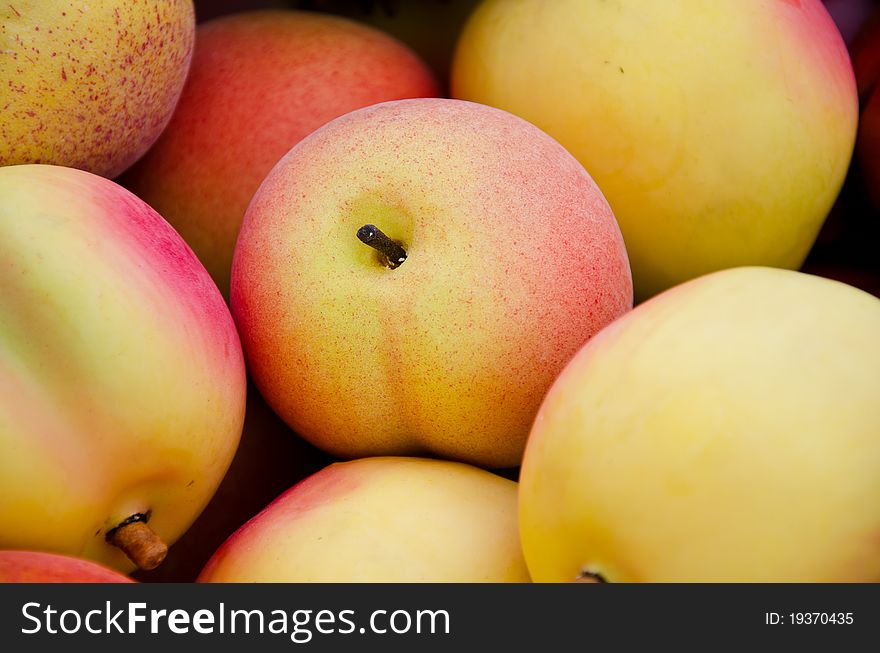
point(727, 430)
point(513, 260)
point(260, 82)
point(38, 567)
point(720, 132)
point(122, 382)
point(90, 85)
point(381, 520)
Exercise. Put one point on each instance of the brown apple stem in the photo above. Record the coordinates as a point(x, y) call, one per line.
point(138, 541)
point(393, 253)
point(590, 577)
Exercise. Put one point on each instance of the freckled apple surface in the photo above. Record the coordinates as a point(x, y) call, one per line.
point(514, 260)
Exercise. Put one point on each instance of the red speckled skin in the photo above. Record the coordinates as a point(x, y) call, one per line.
point(90, 85)
point(37, 567)
point(259, 83)
point(515, 261)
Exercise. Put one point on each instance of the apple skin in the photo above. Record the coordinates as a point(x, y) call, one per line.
point(259, 83)
point(90, 86)
point(515, 260)
point(726, 430)
point(122, 381)
point(381, 520)
point(39, 567)
point(720, 132)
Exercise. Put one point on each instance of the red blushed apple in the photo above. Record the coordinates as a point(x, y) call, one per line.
point(122, 379)
point(259, 83)
point(501, 258)
point(39, 567)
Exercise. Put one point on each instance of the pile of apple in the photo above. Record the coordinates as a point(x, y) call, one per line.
point(263, 258)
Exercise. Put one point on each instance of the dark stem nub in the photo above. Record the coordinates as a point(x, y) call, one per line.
point(392, 252)
point(590, 577)
point(138, 541)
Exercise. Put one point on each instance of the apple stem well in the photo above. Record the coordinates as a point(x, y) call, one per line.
point(392, 252)
point(139, 542)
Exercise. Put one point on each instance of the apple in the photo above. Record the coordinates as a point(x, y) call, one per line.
point(260, 82)
point(90, 85)
point(269, 460)
point(40, 567)
point(513, 260)
point(720, 132)
point(380, 520)
point(122, 381)
point(726, 430)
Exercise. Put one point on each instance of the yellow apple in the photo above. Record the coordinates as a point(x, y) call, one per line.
point(122, 381)
point(381, 520)
point(726, 430)
point(720, 131)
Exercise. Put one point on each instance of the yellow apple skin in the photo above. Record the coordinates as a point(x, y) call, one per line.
point(90, 85)
point(726, 430)
point(720, 132)
point(381, 520)
point(122, 382)
point(514, 261)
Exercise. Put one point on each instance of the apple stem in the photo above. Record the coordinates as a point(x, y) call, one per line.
point(590, 577)
point(371, 235)
point(138, 541)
